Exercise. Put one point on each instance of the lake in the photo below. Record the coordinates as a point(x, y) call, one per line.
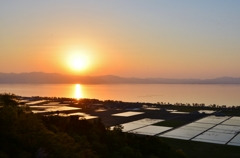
point(173, 93)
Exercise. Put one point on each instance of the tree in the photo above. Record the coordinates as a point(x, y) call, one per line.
point(7, 99)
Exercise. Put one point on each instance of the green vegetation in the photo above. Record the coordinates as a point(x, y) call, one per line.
point(171, 123)
point(27, 135)
point(195, 149)
point(231, 112)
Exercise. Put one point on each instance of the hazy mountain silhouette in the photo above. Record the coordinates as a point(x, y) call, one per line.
point(55, 78)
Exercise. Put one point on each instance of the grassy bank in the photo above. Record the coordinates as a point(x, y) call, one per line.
point(195, 149)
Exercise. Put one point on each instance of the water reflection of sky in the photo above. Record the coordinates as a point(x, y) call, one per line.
point(78, 91)
point(208, 94)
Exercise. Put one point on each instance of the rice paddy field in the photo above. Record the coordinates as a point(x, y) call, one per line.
point(198, 134)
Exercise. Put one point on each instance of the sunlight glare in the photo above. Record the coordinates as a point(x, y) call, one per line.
point(78, 91)
point(78, 61)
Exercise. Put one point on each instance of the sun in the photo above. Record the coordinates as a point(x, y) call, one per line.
point(78, 62)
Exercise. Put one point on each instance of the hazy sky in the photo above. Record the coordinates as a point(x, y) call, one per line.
point(129, 38)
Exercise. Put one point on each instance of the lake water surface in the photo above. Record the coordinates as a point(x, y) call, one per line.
point(173, 93)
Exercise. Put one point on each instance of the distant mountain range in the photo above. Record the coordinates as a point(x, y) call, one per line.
point(55, 78)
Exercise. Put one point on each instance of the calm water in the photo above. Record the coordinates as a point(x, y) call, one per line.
point(182, 93)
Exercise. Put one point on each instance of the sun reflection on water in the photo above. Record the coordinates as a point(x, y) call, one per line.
point(78, 91)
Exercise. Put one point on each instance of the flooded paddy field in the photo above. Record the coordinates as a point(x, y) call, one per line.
point(200, 126)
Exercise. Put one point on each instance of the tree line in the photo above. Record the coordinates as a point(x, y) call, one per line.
point(28, 135)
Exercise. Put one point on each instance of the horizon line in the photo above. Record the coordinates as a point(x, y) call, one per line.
point(190, 78)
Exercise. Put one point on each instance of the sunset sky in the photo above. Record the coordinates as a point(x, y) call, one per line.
point(128, 38)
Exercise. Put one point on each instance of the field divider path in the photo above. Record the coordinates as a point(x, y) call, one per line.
point(136, 128)
point(232, 137)
point(210, 128)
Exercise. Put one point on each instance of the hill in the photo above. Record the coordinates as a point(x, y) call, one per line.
point(55, 78)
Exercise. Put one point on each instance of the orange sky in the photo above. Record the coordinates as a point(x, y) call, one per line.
point(131, 39)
